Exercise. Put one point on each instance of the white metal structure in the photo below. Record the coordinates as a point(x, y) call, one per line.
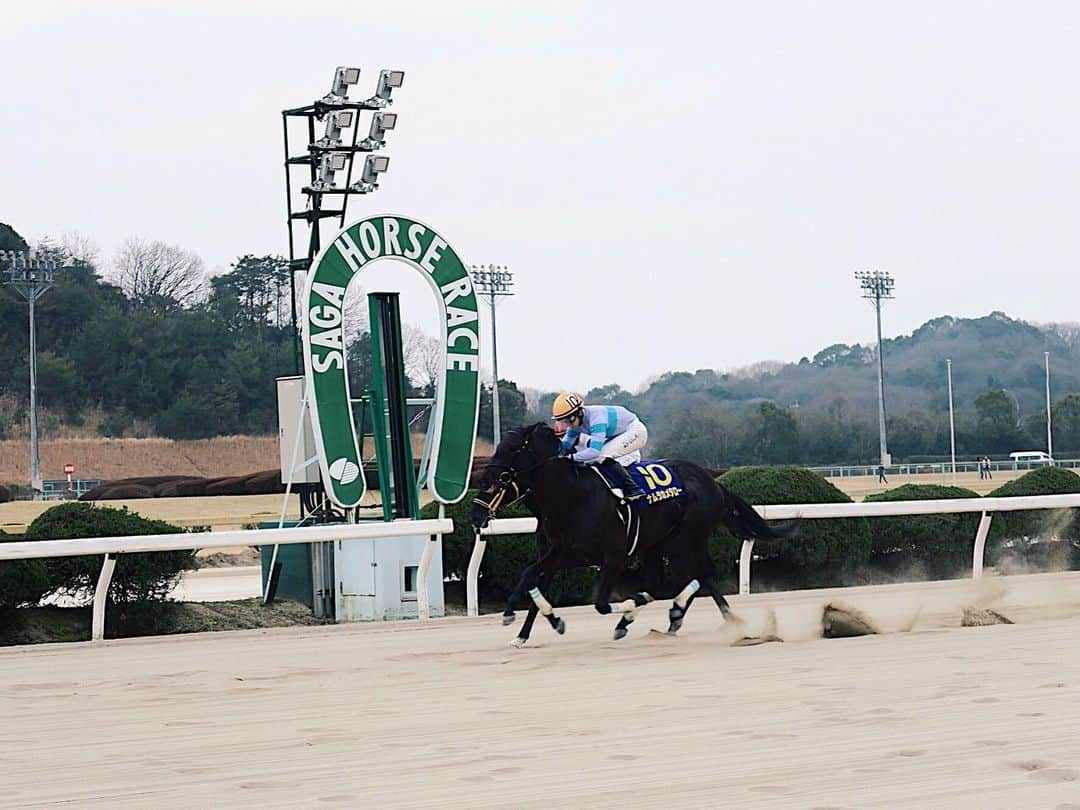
point(813, 511)
point(112, 546)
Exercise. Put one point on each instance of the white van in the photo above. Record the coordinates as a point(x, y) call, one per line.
point(1030, 457)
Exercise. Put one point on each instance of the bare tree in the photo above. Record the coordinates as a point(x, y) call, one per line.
point(160, 275)
point(80, 248)
point(423, 355)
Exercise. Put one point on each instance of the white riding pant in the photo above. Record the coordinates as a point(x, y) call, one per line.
point(626, 447)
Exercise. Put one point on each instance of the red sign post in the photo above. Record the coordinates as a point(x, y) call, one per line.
point(69, 468)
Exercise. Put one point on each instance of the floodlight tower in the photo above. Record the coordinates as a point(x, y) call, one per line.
point(332, 154)
point(877, 285)
point(32, 277)
point(491, 283)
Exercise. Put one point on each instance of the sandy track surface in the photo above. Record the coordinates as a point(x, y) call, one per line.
point(445, 714)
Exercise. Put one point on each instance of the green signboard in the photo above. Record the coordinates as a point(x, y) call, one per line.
point(457, 398)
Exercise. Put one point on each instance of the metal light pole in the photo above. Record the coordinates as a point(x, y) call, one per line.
point(877, 285)
point(491, 283)
point(331, 159)
point(952, 424)
point(31, 276)
point(1049, 436)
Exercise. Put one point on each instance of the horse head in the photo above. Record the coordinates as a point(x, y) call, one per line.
point(506, 477)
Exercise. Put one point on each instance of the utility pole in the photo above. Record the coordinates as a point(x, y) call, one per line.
point(877, 285)
point(952, 424)
point(1049, 435)
point(32, 277)
point(490, 283)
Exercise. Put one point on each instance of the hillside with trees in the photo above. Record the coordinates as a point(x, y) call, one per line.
point(147, 344)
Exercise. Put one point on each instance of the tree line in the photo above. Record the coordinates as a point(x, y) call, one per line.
point(158, 347)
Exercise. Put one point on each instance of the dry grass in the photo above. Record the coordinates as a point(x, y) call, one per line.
point(125, 458)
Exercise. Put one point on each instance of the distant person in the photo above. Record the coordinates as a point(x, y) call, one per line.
point(881, 479)
point(982, 470)
point(986, 468)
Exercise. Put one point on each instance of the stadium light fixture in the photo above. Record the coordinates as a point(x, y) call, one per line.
point(388, 81)
point(381, 123)
point(335, 123)
point(374, 165)
point(344, 77)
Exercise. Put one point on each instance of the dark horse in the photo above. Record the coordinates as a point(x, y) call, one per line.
point(582, 523)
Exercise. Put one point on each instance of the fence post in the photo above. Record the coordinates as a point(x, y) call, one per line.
point(101, 594)
point(980, 545)
point(744, 567)
point(423, 604)
point(472, 589)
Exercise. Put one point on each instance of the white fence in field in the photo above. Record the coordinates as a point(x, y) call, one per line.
point(111, 547)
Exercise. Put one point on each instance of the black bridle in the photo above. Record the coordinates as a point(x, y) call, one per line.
point(508, 479)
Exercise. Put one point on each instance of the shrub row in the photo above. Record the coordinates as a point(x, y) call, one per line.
point(138, 577)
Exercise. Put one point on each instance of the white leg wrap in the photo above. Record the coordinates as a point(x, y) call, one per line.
point(627, 608)
point(543, 604)
point(686, 593)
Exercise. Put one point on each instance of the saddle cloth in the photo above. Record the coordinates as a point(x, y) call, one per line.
point(658, 481)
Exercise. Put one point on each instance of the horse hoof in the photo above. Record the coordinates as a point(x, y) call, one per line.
point(507, 619)
point(673, 627)
point(518, 642)
point(620, 632)
point(560, 627)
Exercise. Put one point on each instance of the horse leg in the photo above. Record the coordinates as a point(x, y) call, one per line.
point(681, 604)
point(543, 548)
point(549, 564)
point(528, 576)
point(613, 567)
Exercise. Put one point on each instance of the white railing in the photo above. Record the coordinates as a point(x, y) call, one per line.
point(814, 511)
point(938, 468)
point(110, 547)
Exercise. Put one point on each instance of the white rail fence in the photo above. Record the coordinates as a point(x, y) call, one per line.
point(111, 547)
point(814, 511)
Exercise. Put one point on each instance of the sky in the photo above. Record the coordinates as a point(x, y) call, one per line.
point(675, 186)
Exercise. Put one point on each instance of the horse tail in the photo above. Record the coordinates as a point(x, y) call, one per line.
point(745, 523)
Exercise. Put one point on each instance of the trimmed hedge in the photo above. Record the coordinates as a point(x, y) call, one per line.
point(505, 558)
point(137, 578)
point(22, 582)
point(1036, 523)
point(941, 545)
point(821, 553)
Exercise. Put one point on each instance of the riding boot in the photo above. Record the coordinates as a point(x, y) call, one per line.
point(631, 491)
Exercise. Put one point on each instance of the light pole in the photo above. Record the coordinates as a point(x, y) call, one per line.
point(328, 163)
point(1049, 436)
point(490, 283)
point(952, 424)
point(31, 276)
point(877, 285)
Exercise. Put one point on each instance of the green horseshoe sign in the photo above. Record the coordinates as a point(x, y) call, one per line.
point(457, 398)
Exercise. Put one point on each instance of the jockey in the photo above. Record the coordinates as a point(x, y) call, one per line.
point(612, 435)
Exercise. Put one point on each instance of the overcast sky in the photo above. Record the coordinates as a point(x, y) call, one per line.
point(676, 186)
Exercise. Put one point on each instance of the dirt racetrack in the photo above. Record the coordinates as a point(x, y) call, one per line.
point(446, 715)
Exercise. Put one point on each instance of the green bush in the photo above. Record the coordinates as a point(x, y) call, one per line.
point(1036, 523)
point(505, 558)
point(941, 545)
point(1025, 529)
point(22, 582)
point(821, 553)
point(137, 578)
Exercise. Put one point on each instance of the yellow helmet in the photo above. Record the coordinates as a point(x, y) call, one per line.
point(566, 405)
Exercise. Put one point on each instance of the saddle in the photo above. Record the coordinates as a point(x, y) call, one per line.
point(655, 478)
